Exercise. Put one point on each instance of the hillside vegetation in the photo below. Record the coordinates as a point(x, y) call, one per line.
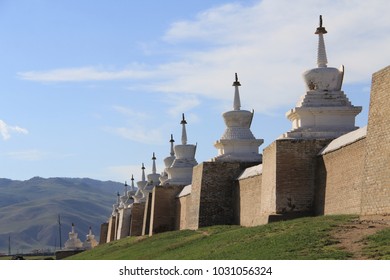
point(305, 238)
point(29, 210)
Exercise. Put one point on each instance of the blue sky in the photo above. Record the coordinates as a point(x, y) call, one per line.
point(93, 88)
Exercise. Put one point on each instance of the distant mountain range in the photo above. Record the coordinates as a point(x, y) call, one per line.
point(29, 210)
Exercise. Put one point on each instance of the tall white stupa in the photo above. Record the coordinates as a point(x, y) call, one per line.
point(90, 241)
point(73, 243)
point(168, 162)
point(237, 142)
point(325, 111)
point(180, 172)
point(153, 178)
point(139, 196)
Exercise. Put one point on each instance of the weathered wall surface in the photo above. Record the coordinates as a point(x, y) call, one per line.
point(164, 211)
point(288, 183)
point(339, 180)
point(137, 219)
point(268, 186)
point(376, 189)
point(249, 197)
point(212, 200)
point(103, 233)
point(124, 223)
point(183, 208)
point(111, 229)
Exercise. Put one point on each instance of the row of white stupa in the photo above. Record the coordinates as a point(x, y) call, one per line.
point(74, 243)
point(324, 112)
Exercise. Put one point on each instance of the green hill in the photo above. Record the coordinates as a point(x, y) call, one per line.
point(305, 238)
point(29, 210)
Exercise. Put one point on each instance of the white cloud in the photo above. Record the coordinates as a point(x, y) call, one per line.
point(83, 74)
point(269, 43)
point(178, 104)
point(130, 113)
point(6, 130)
point(27, 155)
point(138, 133)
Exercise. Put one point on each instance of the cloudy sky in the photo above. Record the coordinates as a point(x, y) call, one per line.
point(93, 88)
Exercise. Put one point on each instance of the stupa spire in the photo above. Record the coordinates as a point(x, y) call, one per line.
point(236, 102)
point(322, 60)
point(154, 164)
point(132, 182)
point(172, 141)
point(183, 131)
point(143, 172)
point(125, 188)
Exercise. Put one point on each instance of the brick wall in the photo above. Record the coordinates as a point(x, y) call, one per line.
point(124, 223)
point(183, 204)
point(163, 209)
point(137, 219)
point(147, 214)
point(288, 179)
point(111, 229)
point(376, 190)
point(103, 233)
point(339, 180)
point(212, 199)
point(249, 202)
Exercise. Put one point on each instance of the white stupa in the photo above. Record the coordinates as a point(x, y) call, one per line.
point(168, 162)
point(90, 241)
point(73, 243)
point(238, 143)
point(124, 199)
point(139, 196)
point(153, 178)
point(325, 111)
point(116, 205)
point(180, 172)
point(132, 191)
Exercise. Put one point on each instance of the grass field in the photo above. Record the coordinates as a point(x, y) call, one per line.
point(305, 238)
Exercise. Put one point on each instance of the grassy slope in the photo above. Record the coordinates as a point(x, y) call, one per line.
point(306, 238)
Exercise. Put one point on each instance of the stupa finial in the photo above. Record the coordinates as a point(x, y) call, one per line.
point(172, 141)
point(154, 164)
point(236, 102)
point(143, 172)
point(322, 60)
point(132, 182)
point(183, 131)
point(125, 188)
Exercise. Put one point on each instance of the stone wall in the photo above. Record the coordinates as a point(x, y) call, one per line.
point(124, 223)
point(249, 201)
point(111, 229)
point(147, 214)
point(163, 209)
point(137, 219)
point(376, 190)
point(182, 211)
point(339, 180)
point(288, 179)
point(212, 200)
point(103, 233)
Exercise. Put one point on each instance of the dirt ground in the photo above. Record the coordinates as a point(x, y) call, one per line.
point(351, 235)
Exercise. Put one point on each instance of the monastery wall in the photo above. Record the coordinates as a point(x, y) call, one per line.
point(164, 211)
point(376, 190)
point(339, 180)
point(212, 196)
point(249, 200)
point(137, 219)
point(288, 183)
point(103, 233)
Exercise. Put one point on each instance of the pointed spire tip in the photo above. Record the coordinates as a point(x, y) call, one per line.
point(321, 29)
point(236, 82)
